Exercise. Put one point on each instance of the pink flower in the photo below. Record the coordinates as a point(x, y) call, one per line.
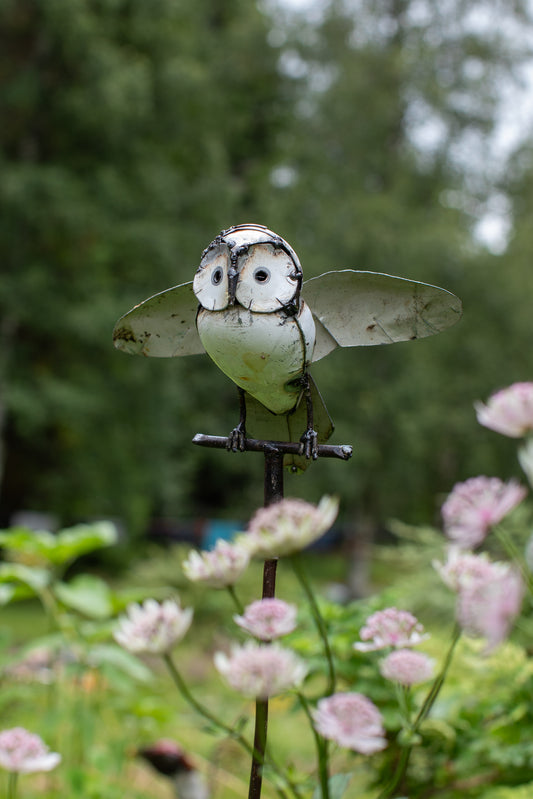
point(390, 627)
point(463, 569)
point(267, 619)
point(489, 594)
point(218, 568)
point(153, 627)
point(509, 411)
point(407, 667)
point(261, 670)
point(352, 721)
point(288, 526)
point(487, 608)
point(23, 752)
point(476, 505)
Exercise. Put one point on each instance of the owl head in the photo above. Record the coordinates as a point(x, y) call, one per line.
point(251, 266)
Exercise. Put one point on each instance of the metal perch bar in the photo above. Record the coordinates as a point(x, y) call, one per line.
point(342, 451)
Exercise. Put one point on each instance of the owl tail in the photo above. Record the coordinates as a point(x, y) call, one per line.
point(263, 424)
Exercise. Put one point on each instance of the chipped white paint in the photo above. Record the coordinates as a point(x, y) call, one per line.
point(263, 353)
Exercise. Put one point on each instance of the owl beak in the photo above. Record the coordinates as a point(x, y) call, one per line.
point(233, 275)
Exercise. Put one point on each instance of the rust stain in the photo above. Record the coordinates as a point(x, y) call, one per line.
point(125, 334)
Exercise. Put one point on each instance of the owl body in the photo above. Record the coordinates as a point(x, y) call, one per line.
point(266, 354)
point(252, 321)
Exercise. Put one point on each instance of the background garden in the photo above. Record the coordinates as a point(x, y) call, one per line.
point(390, 136)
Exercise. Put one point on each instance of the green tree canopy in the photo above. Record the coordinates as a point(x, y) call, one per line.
point(132, 132)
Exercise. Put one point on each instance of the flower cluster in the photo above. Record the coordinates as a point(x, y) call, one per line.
point(390, 628)
point(288, 526)
point(218, 568)
point(397, 630)
point(267, 619)
point(153, 627)
point(476, 506)
point(489, 595)
point(352, 721)
point(23, 752)
point(261, 670)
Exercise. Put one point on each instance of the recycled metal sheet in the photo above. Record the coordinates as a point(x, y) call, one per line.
point(163, 326)
point(358, 309)
point(261, 423)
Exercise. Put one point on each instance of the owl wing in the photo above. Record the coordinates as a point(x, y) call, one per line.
point(263, 424)
point(357, 309)
point(163, 326)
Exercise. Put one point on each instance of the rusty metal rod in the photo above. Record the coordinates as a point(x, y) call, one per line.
point(342, 451)
point(273, 493)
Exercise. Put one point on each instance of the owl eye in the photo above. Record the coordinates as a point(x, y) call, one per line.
point(216, 276)
point(268, 278)
point(210, 282)
point(262, 275)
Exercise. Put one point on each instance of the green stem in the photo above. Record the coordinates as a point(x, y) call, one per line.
point(515, 554)
point(438, 683)
point(428, 703)
point(221, 725)
point(236, 601)
point(260, 738)
point(321, 750)
point(402, 695)
point(12, 785)
point(318, 619)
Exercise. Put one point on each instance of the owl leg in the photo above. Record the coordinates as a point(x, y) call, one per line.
point(238, 434)
point(309, 440)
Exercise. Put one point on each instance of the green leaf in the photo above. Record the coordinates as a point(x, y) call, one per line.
point(338, 784)
point(30, 543)
point(7, 593)
point(20, 582)
point(73, 542)
point(62, 547)
point(87, 594)
point(113, 655)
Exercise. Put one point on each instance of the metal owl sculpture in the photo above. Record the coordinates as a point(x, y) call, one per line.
point(250, 311)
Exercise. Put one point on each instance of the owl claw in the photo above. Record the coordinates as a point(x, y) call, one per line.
point(236, 438)
point(309, 444)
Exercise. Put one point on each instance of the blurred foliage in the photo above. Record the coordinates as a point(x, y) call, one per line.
point(133, 132)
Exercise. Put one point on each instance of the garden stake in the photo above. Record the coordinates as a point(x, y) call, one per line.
point(274, 452)
point(249, 309)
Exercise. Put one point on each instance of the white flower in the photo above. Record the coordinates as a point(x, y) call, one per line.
point(267, 619)
point(153, 627)
point(390, 627)
point(407, 667)
point(261, 670)
point(218, 568)
point(288, 526)
point(23, 752)
point(352, 721)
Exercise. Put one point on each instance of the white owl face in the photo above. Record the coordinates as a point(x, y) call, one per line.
point(251, 266)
